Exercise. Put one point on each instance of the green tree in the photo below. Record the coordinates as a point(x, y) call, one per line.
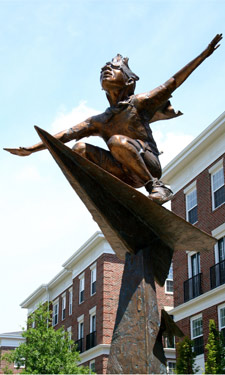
point(215, 363)
point(46, 351)
point(185, 363)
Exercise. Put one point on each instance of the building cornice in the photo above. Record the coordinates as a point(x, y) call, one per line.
point(198, 304)
point(92, 242)
point(88, 355)
point(70, 270)
point(198, 145)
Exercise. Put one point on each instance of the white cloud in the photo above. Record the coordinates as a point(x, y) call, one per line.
point(171, 144)
point(78, 114)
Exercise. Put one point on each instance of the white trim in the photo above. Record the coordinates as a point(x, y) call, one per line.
point(195, 305)
point(94, 265)
point(92, 311)
point(80, 318)
point(88, 253)
point(214, 191)
point(190, 188)
point(218, 312)
point(197, 156)
point(219, 231)
point(186, 203)
point(199, 316)
point(81, 276)
point(88, 355)
point(216, 167)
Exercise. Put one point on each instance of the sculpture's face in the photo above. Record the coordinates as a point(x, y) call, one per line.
point(112, 77)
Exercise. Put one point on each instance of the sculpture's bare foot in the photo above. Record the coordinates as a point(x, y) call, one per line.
point(21, 151)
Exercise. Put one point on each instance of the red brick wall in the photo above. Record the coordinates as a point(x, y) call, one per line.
point(207, 221)
point(207, 314)
point(3, 363)
point(108, 282)
point(163, 299)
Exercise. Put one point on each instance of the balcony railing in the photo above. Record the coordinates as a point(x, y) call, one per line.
point(217, 274)
point(193, 287)
point(91, 340)
point(80, 345)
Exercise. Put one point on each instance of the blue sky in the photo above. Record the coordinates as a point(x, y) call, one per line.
point(51, 55)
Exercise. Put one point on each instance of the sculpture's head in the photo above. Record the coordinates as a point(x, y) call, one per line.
point(117, 75)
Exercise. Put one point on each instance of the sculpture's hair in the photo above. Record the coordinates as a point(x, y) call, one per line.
point(122, 62)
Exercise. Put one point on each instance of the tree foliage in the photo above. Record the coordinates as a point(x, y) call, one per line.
point(215, 363)
point(185, 363)
point(46, 351)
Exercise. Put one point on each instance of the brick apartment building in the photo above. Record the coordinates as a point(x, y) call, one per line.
point(9, 341)
point(196, 176)
point(84, 299)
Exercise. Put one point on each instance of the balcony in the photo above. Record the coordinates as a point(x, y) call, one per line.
point(91, 340)
point(80, 345)
point(217, 274)
point(193, 287)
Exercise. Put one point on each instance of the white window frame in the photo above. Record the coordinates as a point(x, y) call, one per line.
point(63, 306)
point(80, 320)
point(81, 287)
point(70, 301)
point(219, 308)
point(167, 367)
point(55, 303)
point(93, 270)
point(189, 190)
point(190, 254)
point(218, 233)
point(168, 279)
point(69, 330)
point(92, 313)
point(92, 362)
point(212, 171)
point(193, 318)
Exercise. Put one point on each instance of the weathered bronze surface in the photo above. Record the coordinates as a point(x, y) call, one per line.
point(129, 220)
point(137, 322)
point(136, 227)
point(124, 126)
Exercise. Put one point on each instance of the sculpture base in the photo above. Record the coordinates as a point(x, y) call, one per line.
point(137, 322)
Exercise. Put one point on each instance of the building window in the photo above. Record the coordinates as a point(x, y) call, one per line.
point(195, 264)
point(217, 184)
point(221, 249)
point(91, 339)
point(80, 334)
point(192, 207)
point(69, 330)
point(93, 279)
point(197, 334)
point(80, 321)
point(171, 367)
point(81, 288)
point(92, 366)
point(169, 281)
point(70, 301)
point(55, 313)
point(169, 343)
point(221, 316)
point(63, 306)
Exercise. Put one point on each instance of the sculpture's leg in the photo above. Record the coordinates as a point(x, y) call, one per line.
point(137, 322)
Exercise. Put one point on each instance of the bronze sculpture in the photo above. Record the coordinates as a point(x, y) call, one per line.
point(124, 126)
point(140, 231)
